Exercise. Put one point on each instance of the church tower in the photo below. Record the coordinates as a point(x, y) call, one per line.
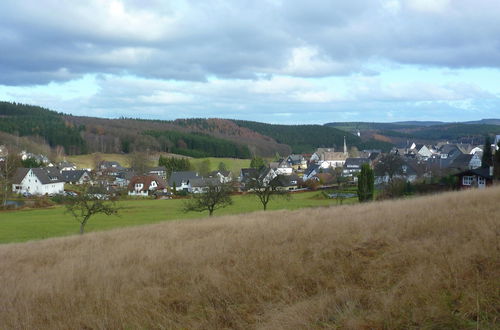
point(345, 147)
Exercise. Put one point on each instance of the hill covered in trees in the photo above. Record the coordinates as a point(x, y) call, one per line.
point(27, 120)
point(467, 132)
point(306, 138)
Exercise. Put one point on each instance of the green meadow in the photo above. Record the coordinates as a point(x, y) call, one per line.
point(34, 224)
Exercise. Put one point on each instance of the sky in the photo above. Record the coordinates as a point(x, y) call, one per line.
point(276, 61)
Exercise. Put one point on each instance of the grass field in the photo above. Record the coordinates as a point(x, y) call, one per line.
point(24, 225)
point(233, 164)
point(425, 263)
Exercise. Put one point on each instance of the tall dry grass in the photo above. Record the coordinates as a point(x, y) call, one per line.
point(429, 262)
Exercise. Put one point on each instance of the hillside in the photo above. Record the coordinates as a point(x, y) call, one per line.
point(466, 132)
point(306, 138)
point(385, 265)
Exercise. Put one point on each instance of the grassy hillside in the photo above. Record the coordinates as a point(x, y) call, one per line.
point(24, 225)
point(388, 265)
point(233, 164)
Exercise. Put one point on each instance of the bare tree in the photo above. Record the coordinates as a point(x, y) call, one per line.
point(265, 189)
point(389, 164)
point(84, 205)
point(216, 196)
point(8, 167)
point(139, 162)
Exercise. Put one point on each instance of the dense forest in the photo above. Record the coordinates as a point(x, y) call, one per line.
point(450, 132)
point(27, 120)
point(306, 138)
point(198, 145)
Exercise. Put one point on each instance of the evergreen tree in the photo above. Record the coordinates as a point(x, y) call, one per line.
point(366, 183)
point(257, 163)
point(487, 159)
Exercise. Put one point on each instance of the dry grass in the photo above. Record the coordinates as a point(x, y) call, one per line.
point(424, 263)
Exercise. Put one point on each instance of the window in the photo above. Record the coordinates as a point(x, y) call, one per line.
point(481, 181)
point(467, 180)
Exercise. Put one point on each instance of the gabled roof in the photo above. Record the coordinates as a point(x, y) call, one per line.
point(20, 175)
point(146, 182)
point(248, 172)
point(181, 176)
point(72, 176)
point(447, 148)
point(46, 175)
point(295, 159)
point(462, 161)
point(311, 169)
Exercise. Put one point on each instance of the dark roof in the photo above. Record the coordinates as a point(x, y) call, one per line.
point(447, 148)
point(182, 176)
point(158, 169)
point(295, 159)
point(65, 164)
point(374, 155)
point(311, 168)
point(249, 172)
point(46, 175)
point(19, 175)
point(204, 182)
point(356, 162)
point(462, 160)
point(72, 176)
point(482, 172)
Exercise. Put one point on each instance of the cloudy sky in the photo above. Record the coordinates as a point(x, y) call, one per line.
point(279, 61)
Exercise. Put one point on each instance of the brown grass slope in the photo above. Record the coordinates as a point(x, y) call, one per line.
point(429, 262)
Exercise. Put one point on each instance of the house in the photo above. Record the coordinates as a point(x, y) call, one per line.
point(422, 151)
point(200, 185)
point(497, 141)
point(146, 185)
point(449, 151)
point(3, 152)
point(476, 178)
point(222, 176)
point(265, 176)
point(311, 171)
point(288, 182)
point(466, 162)
point(297, 162)
point(38, 181)
point(408, 172)
point(76, 176)
point(180, 180)
point(281, 167)
point(123, 178)
point(160, 171)
point(103, 165)
point(352, 166)
point(66, 166)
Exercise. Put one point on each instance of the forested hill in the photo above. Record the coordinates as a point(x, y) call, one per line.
point(27, 120)
point(466, 132)
point(199, 137)
point(305, 138)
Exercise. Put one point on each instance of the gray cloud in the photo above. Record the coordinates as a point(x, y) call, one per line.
point(193, 40)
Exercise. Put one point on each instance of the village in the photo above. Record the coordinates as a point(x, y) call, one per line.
point(325, 167)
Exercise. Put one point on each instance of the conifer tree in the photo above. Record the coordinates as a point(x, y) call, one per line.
point(366, 183)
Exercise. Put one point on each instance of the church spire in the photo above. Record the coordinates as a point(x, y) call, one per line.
point(345, 147)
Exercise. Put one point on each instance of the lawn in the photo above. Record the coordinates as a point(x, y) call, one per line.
point(25, 225)
point(233, 164)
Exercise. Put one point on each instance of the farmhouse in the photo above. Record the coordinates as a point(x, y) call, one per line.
point(180, 180)
point(38, 181)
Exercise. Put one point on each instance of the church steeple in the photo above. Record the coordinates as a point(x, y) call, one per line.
point(345, 147)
